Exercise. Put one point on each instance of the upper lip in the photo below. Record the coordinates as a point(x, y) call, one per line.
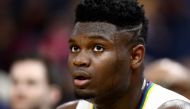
point(81, 74)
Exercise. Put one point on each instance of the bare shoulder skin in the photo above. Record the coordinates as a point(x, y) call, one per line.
point(69, 105)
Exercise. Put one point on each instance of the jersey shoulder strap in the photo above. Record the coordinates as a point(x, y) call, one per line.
point(155, 96)
point(83, 104)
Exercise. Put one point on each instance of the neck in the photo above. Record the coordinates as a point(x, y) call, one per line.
point(124, 99)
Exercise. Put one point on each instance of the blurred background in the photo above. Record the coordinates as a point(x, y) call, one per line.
point(43, 27)
point(169, 25)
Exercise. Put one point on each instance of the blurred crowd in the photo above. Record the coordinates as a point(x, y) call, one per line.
point(43, 27)
point(32, 26)
point(169, 23)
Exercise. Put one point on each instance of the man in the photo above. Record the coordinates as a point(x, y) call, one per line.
point(106, 57)
point(34, 84)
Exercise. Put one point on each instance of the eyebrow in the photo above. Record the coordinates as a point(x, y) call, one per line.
point(71, 40)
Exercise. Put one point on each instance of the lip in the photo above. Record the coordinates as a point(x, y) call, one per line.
point(81, 78)
point(81, 83)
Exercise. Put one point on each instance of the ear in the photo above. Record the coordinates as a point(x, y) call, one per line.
point(55, 95)
point(137, 56)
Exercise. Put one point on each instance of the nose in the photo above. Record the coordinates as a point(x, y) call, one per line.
point(82, 59)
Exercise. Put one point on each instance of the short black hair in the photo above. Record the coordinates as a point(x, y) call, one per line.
point(124, 14)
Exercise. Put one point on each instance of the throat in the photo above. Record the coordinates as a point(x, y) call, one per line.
point(130, 100)
point(125, 99)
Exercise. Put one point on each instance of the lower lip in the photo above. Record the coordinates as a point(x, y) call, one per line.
point(81, 83)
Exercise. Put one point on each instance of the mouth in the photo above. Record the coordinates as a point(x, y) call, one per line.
point(81, 80)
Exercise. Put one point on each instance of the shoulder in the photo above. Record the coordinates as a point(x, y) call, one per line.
point(69, 105)
point(158, 95)
point(167, 94)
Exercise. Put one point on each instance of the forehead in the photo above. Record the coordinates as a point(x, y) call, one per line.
point(106, 30)
point(28, 69)
point(101, 29)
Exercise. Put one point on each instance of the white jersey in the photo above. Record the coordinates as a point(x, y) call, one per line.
point(153, 97)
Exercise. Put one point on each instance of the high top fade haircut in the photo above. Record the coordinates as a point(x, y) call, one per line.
point(124, 14)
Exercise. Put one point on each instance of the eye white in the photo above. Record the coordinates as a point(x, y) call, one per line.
point(98, 48)
point(75, 49)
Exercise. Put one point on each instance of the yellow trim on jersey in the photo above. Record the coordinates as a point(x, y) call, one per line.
point(147, 95)
point(91, 106)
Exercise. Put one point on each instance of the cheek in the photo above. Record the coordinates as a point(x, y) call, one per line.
point(70, 61)
point(105, 68)
point(111, 71)
point(105, 63)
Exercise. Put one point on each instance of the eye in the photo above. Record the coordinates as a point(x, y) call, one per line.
point(31, 83)
point(98, 48)
point(75, 49)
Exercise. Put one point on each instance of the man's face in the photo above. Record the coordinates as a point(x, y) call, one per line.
point(30, 87)
point(99, 60)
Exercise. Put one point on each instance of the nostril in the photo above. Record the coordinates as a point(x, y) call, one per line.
point(81, 64)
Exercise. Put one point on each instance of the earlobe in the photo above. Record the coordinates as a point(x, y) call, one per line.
point(137, 56)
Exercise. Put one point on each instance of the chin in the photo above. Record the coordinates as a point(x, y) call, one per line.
point(84, 94)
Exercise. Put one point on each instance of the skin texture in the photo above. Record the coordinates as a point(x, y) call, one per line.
point(105, 66)
point(30, 89)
